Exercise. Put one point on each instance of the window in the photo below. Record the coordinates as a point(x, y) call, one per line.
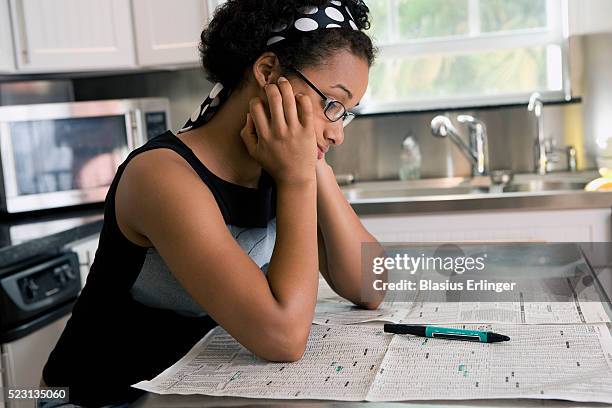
point(453, 53)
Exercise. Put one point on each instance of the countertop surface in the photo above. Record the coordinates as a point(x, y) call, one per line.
point(26, 236)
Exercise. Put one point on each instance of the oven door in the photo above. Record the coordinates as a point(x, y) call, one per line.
point(57, 155)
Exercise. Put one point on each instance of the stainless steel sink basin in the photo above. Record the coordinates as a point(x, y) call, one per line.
point(359, 194)
point(543, 185)
point(397, 190)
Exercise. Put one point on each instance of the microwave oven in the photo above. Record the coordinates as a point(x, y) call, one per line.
point(63, 154)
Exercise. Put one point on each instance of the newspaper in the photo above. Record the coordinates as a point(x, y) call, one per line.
point(334, 313)
point(354, 363)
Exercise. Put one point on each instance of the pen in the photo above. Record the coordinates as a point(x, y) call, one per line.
point(446, 333)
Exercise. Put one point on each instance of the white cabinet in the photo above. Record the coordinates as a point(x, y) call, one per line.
point(7, 59)
point(588, 225)
point(590, 16)
point(86, 250)
point(168, 32)
point(72, 35)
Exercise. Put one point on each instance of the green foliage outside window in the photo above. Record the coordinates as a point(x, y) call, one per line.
point(429, 76)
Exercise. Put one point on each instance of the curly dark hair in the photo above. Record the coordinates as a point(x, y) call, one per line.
point(239, 30)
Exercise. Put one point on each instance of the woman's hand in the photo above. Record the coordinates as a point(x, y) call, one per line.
point(284, 144)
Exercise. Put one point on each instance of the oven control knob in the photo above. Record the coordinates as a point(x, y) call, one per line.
point(69, 272)
point(59, 276)
point(30, 288)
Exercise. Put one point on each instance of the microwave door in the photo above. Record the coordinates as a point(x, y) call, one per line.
point(60, 162)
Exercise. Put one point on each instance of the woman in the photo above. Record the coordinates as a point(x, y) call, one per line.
point(192, 220)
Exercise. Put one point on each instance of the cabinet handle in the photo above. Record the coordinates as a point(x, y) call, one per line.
point(134, 131)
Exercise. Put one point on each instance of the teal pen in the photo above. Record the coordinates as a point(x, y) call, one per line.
point(445, 333)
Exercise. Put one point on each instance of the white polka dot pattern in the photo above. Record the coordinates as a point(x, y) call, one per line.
point(196, 114)
point(207, 109)
point(334, 14)
point(310, 10)
point(204, 110)
point(349, 12)
point(275, 39)
point(215, 91)
point(306, 24)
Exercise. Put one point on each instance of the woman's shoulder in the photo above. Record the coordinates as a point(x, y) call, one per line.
point(158, 183)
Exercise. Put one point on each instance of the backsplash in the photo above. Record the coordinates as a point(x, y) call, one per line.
point(372, 145)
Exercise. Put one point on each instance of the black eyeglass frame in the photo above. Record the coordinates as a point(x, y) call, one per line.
point(346, 116)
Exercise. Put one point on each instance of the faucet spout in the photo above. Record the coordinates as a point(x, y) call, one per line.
point(476, 153)
point(478, 139)
point(541, 160)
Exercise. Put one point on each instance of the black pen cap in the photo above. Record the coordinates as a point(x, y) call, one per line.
point(496, 338)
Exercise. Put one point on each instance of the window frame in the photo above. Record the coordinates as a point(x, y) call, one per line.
point(556, 34)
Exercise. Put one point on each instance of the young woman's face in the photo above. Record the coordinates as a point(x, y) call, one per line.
point(343, 77)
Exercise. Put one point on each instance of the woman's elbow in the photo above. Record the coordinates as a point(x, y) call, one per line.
point(286, 345)
point(370, 305)
point(287, 355)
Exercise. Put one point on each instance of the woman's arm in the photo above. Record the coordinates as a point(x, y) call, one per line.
point(178, 214)
point(340, 235)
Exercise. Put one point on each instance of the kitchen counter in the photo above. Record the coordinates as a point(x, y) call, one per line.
point(27, 236)
point(557, 191)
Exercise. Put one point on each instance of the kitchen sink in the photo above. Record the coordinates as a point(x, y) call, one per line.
point(358, 194)
point(481, 186)
point(542, 185)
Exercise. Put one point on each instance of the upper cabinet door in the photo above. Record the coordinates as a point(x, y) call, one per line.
point(72, 35)
point(590, 16)
point(168, 31)
point(7, 59)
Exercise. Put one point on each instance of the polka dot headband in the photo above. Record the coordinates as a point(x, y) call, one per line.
point(208, 108)
point(332, 15)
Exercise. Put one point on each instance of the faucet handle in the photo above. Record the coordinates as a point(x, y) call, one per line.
point(535, 103)
point(467, 119)
point(471, 121)
point(441, 126)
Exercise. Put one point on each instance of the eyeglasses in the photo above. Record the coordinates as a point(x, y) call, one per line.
point(333, 109)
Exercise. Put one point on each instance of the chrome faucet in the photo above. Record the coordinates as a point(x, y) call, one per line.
point(554, 154)
point(545, 150)
point(476, 152)
point(536, 106)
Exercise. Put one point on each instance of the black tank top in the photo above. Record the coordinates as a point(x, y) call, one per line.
point(112, 340)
